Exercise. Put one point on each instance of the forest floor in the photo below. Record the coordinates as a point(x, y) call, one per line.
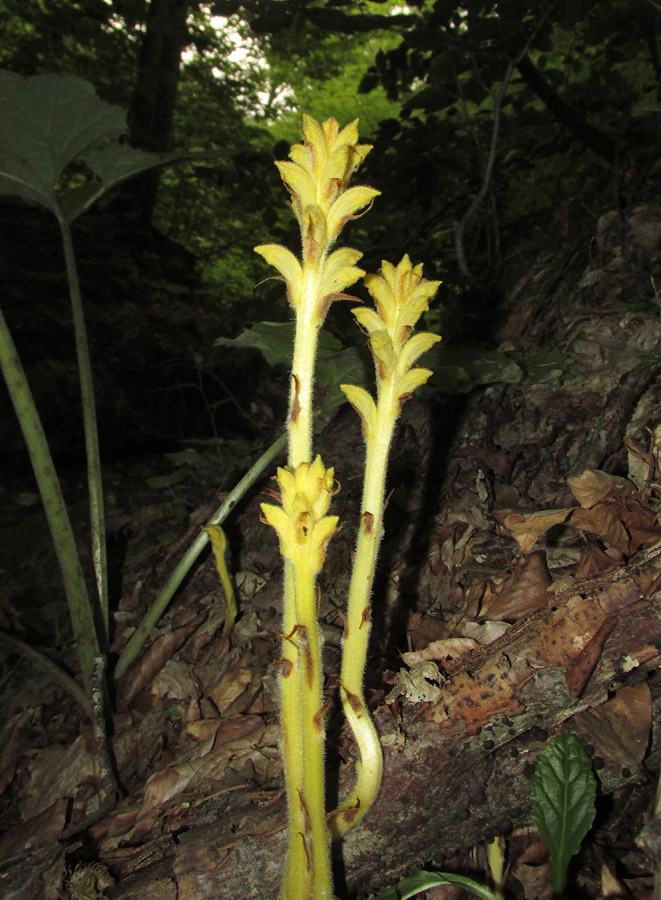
point(517, 598)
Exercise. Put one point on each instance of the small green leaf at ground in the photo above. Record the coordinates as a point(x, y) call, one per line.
point(423, 881)
point(563, 790)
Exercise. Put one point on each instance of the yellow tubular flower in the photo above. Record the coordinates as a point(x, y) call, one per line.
point(301, 523)
point(317, 177)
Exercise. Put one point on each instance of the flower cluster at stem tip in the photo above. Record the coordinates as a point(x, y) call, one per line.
point(317, 175)
point(301, 522)
point(401, 295)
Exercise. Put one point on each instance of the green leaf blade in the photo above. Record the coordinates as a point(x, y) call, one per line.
point(563, 791)
point(49, 121)
point(422, 881)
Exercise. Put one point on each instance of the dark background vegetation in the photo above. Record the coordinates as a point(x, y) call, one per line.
point(558, 102)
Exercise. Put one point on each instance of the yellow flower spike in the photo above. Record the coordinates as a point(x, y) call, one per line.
point(317, 174)
point(301, 523)
point(304, 531)
point(401, 295)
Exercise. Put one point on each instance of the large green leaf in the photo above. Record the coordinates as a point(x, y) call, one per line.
point(48, 122)
point(275, 340)
point(422, 881)
point(563, 794)
point(334, 366)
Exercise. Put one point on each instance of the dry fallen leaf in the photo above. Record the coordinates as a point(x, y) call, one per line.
point(604, 521)
point(640, 463)
point(528, 527)
point(443, 649)
point(142, 671)
point(238, 681)
point(594, 561)
point(523, 593)
point(593, 486)
point(620, 728)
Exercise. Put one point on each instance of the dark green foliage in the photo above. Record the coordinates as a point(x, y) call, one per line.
point(577, 127)
point(334, 366)
point(579, 103)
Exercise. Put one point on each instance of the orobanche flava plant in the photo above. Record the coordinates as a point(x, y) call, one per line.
point(317, 176)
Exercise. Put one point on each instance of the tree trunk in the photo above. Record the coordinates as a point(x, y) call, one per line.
point(152, 108)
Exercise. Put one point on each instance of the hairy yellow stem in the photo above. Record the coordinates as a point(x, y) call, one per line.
point(358, 625)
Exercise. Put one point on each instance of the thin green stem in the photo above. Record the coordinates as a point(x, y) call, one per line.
point(51, 668)
point(94, 475)
point(80, 608)
point(138, 638)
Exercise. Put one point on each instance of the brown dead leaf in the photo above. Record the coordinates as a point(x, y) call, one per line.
point(610, 885)
point(175, 681)
point(203, 729)
point(56, 772)
point(484, 632)
point(167, 783)
point(533, 871)
point(473, 701)
point(237, 727)
point(593, 486)
point(620, 728)
point(641, 463)
point(172, 780)
point(528, 527)
point(141, 672)
point(447, 648)
point(594, 561)
point(582, 666)
point(640, 523)
point(237, 682)
point(523, 593)
point(116, 824)
point(425, 629)
point(43, 827)
point(604, 521)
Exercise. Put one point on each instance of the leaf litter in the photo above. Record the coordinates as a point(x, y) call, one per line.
point(523, 572)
